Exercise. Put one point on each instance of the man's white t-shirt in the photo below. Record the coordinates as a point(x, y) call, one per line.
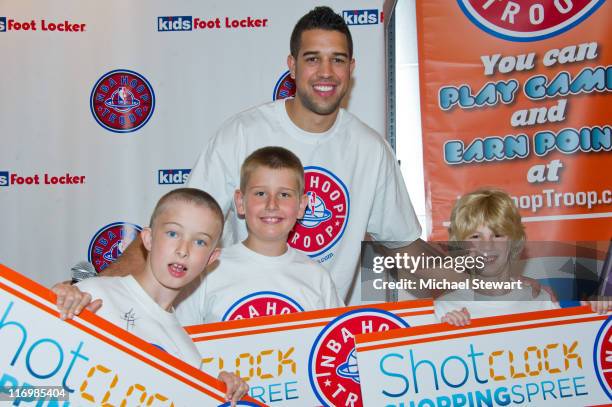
point(352, 179)
point(247, 284)
point(126, 304)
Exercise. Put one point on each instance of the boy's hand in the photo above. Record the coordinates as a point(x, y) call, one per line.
point(236, 388)
point(601, 305)
point(536, 287)
point(71, 300)
point(457, 318)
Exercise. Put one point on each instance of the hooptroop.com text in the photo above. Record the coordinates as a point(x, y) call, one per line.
point(403, 261)
point(550, 198)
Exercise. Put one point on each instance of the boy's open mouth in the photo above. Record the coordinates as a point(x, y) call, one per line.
point(177, 270)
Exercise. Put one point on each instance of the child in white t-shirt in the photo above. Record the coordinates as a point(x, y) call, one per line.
point(263, 275)
point(181, 241)
point(488, 223)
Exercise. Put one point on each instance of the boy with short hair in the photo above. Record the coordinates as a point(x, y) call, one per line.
point(263, 275)
point(181, 241)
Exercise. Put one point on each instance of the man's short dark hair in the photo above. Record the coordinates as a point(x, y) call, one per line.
point(322, 18)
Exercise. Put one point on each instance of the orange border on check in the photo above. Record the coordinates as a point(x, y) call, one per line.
point(44, 299)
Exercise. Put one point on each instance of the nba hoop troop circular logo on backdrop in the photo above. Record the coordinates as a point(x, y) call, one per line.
point(528, 20)
point(332, 365)
point(261, 304)
point(122, 101)
point(109, 243)
point(601, 356)
point(285, 87)
point(326, 214)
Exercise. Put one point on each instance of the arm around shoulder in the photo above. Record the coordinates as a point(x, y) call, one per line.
point(130, 262)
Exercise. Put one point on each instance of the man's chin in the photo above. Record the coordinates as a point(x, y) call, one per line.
point(322, 109)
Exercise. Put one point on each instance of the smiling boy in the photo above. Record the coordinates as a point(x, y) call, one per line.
point(263, 275)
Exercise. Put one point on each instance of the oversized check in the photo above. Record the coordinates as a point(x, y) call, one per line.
point(304, 359)
point(561, 357)
point(86, 361)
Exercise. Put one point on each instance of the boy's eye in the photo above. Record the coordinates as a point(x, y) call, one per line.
point(259, 193)
point(200, 242)
point(171, 233)
point(285, 194)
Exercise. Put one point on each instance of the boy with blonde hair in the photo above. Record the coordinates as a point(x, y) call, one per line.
point(488, 223)
point(263, 275)
point(181, 241)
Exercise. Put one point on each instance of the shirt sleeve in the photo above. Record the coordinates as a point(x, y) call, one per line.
point(392, 217)
point(331, 298)
point(216, 169)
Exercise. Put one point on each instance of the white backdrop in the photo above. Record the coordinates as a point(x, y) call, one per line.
point(199, 79)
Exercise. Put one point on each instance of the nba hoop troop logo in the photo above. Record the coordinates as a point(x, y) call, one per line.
point(602, 356)
point(528, 20)
point(285, 87)
point(332, 365)
point(122, 101)
point(326, 214)
point(262, 304)
point(109, 243)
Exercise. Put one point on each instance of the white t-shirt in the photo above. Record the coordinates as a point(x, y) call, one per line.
point(247, 284)
point(127, 305)
point(351, 175)
point(480, 305)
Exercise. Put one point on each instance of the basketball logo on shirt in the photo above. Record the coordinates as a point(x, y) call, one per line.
point(601, 356)
point(332, 365)
point(262, 304)
point(109, 243)
point(326, 214)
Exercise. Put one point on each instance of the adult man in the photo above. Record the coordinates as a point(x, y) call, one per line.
point(352, 178)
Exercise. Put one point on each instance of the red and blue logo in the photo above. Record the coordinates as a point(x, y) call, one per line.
point(109, 243)
point(122, 101)
point(528, 20)
point(285, 87)
point(326, 214)
point(601, 356)
point(332, 365)
point(262, 304)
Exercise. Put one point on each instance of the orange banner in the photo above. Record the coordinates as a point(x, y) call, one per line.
point(516, 95)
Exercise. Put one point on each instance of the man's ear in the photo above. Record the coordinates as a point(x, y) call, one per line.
point(352, 65)
point(303, 204)
point(291, 65)
point(214, 256)
point(146, 235)
point(239, 201)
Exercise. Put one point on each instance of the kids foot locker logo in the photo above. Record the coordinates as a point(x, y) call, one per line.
point(528, 20)
point(285, 87)
point(262, 304)
point(326, 214)
point(332, 365)
point(109, 243)
point(122, 101)
point(601, 357)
